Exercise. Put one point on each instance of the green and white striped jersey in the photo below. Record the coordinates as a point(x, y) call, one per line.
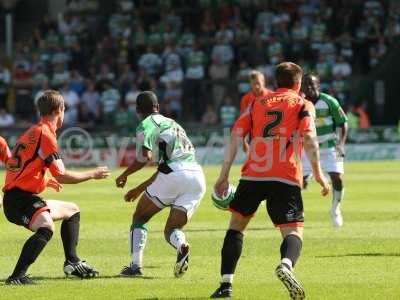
point(329, 116)
point(167, 140)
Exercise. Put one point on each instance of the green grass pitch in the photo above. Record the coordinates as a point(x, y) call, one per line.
point(359, 261)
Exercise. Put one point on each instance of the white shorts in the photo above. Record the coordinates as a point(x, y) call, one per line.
point(330, 162)
point(181, 189)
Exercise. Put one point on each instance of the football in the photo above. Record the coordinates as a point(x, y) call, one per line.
point(223, 202)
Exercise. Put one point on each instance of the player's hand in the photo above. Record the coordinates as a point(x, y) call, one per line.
point(54, 184)
point(221, 186)
point(101, 173)
point(132, 194)
point(121, 181)
point(324, 183)
point(340, 150)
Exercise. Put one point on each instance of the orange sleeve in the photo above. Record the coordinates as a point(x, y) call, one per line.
point(244, 103)
point(49, 154)
point(242, 125)
point(5, 152)
point(307, 117)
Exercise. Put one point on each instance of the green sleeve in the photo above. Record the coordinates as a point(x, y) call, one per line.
point(146, 136)
point(338, 115)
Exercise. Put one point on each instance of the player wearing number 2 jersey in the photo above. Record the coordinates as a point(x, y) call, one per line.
point(179, 183)
point(277, 124)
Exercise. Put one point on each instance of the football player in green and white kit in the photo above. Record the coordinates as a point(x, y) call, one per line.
point(331, 123)
point(178, 183)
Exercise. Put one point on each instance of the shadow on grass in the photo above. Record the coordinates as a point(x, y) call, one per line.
point(361, 255)
point(37, 279)
point(179, 298)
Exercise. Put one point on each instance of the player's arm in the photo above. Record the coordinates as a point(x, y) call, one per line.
point(311, 147)
point(138, 163)
point(340, 119)
point(135, 192)
point(72, 177)
point(52, 160)
point(240, 130)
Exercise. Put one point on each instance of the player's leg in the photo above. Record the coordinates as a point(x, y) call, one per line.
point(30, 211)
point(145, 210)
point(191, 185)
point(290, 252)
point(69, 214)
point(244, 205)
point(334, 166)
point(285, 208)
point(175, 236)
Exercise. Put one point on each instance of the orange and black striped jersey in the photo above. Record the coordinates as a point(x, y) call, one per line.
point(276, 124)
point(35, 152)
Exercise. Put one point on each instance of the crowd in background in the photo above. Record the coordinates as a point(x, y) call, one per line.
point(196, 55)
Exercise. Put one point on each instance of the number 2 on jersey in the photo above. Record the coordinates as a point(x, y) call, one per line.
point(277, 119)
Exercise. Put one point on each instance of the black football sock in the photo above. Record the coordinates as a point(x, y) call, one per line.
point(70, 236)
point(31, 250)
point(291, 248)
point(231, 251)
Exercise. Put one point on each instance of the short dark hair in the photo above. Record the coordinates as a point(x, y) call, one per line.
point(146, 102)
point(49, 102)
point(287, 74)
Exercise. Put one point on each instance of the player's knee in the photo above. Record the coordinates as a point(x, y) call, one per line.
point(49, 225)
point(337, 182)
point(138, 217)
point(74, 208)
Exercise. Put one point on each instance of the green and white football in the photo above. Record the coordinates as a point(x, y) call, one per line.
point(223, 202)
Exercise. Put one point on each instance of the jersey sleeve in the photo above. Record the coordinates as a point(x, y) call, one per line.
point(244, 102)
point(338, 115)
point(307, 118)
point(146, 137)
point(5, 152)
point(242, 125)
point(48, 152)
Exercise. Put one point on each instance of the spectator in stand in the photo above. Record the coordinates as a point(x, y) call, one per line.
point(341, 68)
point(228, 113)
point(5, 80)
point(193, 84)
point(242, 77)
point(150, 62)
point(218, 72)
point(91, 102)
point(125, 121)
point(72, 102)
point(110, 99)
point(6, 119)
point(210, 116)
point(173, 98)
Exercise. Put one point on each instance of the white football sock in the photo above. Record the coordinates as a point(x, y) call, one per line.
point(287, 261)
point(177, 238)
point(337, 198)
point(227, 278)
point(137, 243)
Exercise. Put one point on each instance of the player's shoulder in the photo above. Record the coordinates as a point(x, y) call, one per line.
point(3, 142)
point(330, 100)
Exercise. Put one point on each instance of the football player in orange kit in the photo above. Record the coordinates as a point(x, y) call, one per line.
point(258, 90)
point(277, 123)
point(35, 152)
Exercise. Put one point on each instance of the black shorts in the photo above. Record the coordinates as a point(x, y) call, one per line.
point(22, 207)
point(284, 202)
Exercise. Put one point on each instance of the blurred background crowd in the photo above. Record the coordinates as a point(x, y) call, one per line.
point(196, 55)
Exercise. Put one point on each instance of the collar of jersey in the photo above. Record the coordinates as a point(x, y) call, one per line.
point(48, 123)
point(283, 90)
